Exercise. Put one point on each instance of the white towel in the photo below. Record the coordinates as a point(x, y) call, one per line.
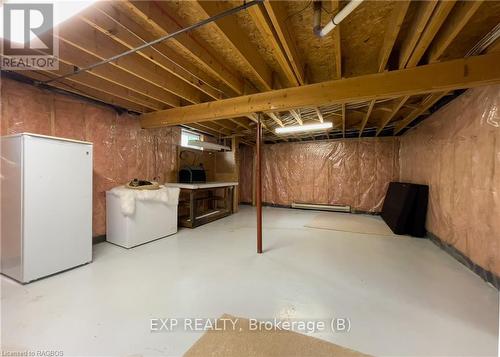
point(166, 195)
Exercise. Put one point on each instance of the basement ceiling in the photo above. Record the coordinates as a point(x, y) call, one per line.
point(265, 47)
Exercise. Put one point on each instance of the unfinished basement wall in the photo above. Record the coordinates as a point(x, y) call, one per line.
point(354, 172)
point(456, 152)
point(122, 150)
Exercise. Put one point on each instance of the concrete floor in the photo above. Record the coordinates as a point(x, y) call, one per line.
point(403, 296)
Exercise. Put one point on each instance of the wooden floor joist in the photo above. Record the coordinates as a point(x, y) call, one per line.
point(428, 102)
point(240, 42)
point(438, 77)
point(397, 106)
point(366, 117)
point(168, 22)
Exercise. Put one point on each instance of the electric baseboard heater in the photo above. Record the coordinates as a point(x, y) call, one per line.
point(333, 208)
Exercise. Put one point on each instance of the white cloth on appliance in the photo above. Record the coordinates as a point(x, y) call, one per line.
point(166, 195)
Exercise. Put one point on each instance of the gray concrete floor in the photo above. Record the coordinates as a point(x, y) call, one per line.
point(403, 296)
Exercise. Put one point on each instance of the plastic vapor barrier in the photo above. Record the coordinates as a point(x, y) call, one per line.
point(456, 152)
point(353, 172)
point(122, 150)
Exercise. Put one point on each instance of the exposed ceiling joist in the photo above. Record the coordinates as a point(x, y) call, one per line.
point(417, 26)
point(397, 106)
point(337, 48)
point(99, 83)
point(297, 117)
point(459, 17)
point(168, 22)
point(278, 14)
point(92, 41)
point(240, 122)
point(393, 26)
point(437, 19)
point(438, 77)
point(263, 23)
point(84, 90)
point(428, 102)
point(320, 116)
point(68, 53)
point(240, 42)
point(276, 119)
point(366, 117)
point(148, 32)
point(107, 19)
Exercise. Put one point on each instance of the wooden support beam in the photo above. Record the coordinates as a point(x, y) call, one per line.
point(417, 26)
point(240, 42)
point(278, 15)
point(262, 21)
point(443, 76)
point(399, 103)
point(428, 102)
point(367, 116)
point(459, 17)
point(437, 19)
point(167, 22)
point(391, 33)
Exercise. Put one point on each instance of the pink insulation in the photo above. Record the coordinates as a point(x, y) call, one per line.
point(456, 152)
point(353, 172)
point(122, 150)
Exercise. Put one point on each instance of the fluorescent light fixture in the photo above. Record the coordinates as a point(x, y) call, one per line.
point(208, 146)
point(306, 127)
point(63, 10)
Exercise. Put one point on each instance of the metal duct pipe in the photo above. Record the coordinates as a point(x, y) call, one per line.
point(337, 19)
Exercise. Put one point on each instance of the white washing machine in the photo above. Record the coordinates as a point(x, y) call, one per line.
point(149, 219)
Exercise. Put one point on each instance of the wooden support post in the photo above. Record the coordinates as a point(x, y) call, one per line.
point(258, 181)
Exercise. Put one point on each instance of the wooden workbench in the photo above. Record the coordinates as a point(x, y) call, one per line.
point(193, 193)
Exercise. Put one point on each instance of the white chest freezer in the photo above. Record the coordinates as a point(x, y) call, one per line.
point(135, 217)
point(46, 205)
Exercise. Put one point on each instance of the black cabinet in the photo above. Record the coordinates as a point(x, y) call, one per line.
point(405, 208)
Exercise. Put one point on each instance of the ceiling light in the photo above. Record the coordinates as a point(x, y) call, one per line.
point(306, 127)
point(63, 10)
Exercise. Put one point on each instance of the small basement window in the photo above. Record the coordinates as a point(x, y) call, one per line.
point(187, 135)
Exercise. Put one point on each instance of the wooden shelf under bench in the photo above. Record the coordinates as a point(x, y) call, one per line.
point(218, 206)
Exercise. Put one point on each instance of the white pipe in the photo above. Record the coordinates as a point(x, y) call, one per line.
point(337, 19)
